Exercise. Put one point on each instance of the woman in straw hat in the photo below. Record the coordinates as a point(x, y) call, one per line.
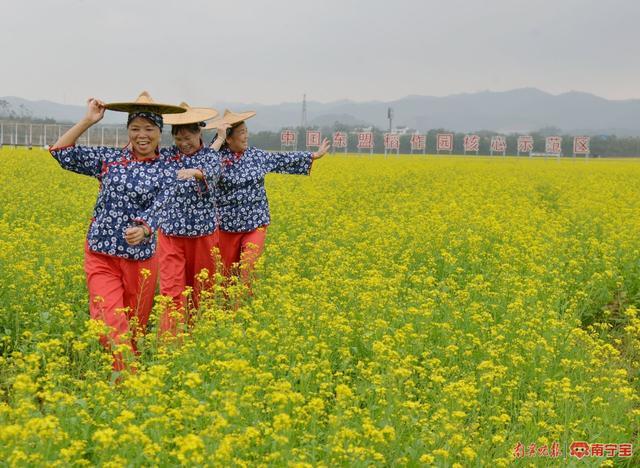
point(120, 265)
point(187, 234)
point(242, 205)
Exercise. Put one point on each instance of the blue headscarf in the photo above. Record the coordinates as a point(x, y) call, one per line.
point(156, 119)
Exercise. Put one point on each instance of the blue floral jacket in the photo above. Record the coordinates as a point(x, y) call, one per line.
point(190, 209)
point(132, 192)
point(241, 198)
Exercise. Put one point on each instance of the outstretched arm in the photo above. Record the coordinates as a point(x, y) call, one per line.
point(294, 162)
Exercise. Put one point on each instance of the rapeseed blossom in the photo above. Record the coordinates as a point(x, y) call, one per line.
point(407, 311)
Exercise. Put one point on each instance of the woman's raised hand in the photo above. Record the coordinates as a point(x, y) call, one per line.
point(221, 128)
point(322, 149)
point(95, 110)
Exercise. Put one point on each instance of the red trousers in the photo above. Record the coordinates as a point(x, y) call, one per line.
point(121, 295)
point(181, 261)
point(241, 250)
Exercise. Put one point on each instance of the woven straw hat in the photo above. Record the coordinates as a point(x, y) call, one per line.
point(192, 115)
point(145, 103)
point(231, 118)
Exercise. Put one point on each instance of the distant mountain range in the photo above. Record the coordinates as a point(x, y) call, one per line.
point(519, 110)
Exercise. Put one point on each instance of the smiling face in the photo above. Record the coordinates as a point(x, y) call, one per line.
point(238, 139)
point(144, 136)
point(188, 140)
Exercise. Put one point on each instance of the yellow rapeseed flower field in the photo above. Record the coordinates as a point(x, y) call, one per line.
point(408, 311)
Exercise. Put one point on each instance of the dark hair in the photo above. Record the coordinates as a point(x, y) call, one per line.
point(191, 128)
point(233, 127)
point(229, 132)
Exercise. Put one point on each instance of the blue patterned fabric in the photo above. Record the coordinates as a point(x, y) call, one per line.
point(131, 194)
point(190, 209)
point(151, 116)
point(241, 198)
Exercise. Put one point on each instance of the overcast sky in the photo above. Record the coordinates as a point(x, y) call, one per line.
point(206, 51)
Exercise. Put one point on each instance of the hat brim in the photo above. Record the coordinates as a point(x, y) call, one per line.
point(144, 107)
point(230, 119)
point(192, 115)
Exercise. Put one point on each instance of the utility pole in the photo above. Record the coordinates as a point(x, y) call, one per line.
point(304, 111)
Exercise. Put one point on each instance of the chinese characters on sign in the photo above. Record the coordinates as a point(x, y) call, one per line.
point(525, 144)
point(340, 140)
point(553, 145)
point(498, 145)
point(418, 142)
point(444, 142)
point(577, 449)
point(288, 139)
point(471, 143)
point(521, 451)
point(313, 138)
point(365, 141)
point(581, 145)
point(391, 142)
